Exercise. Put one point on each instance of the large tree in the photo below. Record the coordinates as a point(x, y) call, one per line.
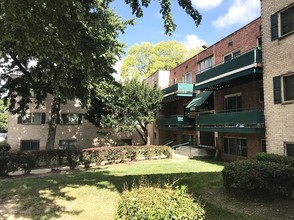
point(59, 48)
point(62, 48)
point(143, 59)
point(125, 107)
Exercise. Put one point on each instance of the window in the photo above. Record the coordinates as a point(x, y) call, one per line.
point(283, 87)
point(29, 145)
point(282, 23)
point(72, 118)
point(289, 149)
point(187, 78)
point(261, 94)
point(67, 144)
point(231, 56)
point(259, 42)
point(205, 64)
point(31, 118)
point(263, 146)
point(235, 146)
point(233, 103)
point(287, 21)
point(288, 87)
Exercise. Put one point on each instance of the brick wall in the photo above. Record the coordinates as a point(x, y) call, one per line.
point(278, 59)
point(250, 96)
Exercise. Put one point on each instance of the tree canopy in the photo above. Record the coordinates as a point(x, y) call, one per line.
point(125, 107)
point(166, 11)
point(144, 59)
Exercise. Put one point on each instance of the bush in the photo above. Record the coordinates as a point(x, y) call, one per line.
point(27, 161)
point(4, 146)
point(153, 203)
point(248, 175)
point(275, 158)
point(73, 158)
point(8, 163)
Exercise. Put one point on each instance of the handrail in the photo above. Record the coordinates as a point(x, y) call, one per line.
point(178, 145)
point(168, 143)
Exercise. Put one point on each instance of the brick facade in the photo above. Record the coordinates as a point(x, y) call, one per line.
point(278, 60)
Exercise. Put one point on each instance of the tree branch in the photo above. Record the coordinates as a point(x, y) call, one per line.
point(19, 65)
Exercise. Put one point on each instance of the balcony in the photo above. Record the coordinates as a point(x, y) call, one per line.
point(178, 91)
point(175, 122)
point(246, 122)
point(246, 67)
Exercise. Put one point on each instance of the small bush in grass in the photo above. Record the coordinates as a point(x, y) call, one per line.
point(154, 202)
point(27, 161)
point(73, 158)
point(247, 175)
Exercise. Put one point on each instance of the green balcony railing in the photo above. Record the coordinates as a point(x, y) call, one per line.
point(175, 122)
point(237, 67)
point(232, 122)
point(180, 89)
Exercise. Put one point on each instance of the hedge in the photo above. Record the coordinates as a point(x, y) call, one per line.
point(266, 157)
point(28, 160)
point(153, 203)
point(270, 177)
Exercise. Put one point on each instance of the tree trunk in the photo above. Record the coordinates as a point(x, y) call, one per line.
point(139, 129)
point(54, 120)
point(145, 136)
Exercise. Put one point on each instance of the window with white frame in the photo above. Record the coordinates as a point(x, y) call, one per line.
point(27, 145)
point(288, 87)
point(231, 56)
point(235, 146)
point(289, 149)
point(282, 23)
point(187, 78)
point(31, 118)
point(205, 64)
point(233, 102)
point(71, 118)
point(283, 87)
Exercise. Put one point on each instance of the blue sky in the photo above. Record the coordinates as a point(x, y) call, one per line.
point(219, 19)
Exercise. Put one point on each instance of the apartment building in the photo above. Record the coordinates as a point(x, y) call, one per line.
point(29, 131)
point(215, 99)
point(278, 78)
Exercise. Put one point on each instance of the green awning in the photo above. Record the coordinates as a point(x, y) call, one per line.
point(197, 102)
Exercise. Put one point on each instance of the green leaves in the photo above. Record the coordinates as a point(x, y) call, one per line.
point(166, 5)
point(72, 43)
point(144, 59)
point(125, 107)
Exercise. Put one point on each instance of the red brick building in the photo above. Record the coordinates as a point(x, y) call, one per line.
point(215, 99)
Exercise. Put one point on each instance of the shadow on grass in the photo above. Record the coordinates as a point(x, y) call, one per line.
point(34, 197)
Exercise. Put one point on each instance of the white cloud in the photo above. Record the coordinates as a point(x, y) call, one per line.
point(240, 12)
point(192, 41)
point(206, 4)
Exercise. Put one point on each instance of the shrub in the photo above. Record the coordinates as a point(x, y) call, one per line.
point(153, 203)
point(4, 146)
point(27, 161)
point(73, 158)
point(8, 163)
point(247, 175)
point(275, 158)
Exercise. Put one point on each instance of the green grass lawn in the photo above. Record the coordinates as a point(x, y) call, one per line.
point(94, 193)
